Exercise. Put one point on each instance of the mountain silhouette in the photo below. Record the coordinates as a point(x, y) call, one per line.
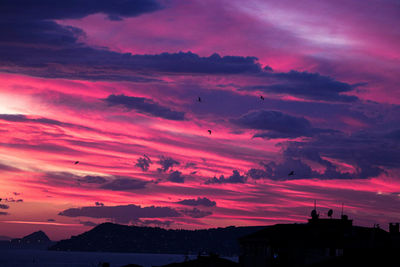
point(36, 240)
point(122, 238)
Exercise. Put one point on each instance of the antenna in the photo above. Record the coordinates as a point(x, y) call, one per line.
point(342, 209)
point(314, 214)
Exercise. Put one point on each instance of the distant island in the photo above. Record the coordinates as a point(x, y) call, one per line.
point(36, 240)
point(109, 237)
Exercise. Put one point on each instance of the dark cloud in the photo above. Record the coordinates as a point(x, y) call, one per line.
point(4, 213)
point(10, 199)
point(70, 179)
point(267, 68)
point(368, 154)
point(85, 62)
point(115, 183)
point(191, 63)
point(41, 120)
point(176, 177)
point(4, 206)
point(93, 179)
point(51, 220)
point(145, 106)
point(144, 163)
point(47, 147)
point(280, 171)
point(235, 178)
point(99, 204)
point(196, 213)
point(166, 163)
point(88, 223)
point(5, 167)
point(121, 214)
point(259, 173)
point(275, 124)
point(125, 184)
point(24, 118)
point(16, 193)
point(34, 44)
point(190, 165)
point(198, 202)
point(272, 120)
point(74, 9)
point(307, 85)
point(395, 135)
point(37, 33)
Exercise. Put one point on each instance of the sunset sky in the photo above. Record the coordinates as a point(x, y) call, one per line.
point(100, 118)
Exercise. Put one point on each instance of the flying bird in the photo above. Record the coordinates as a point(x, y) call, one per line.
point(199, 99)
point(209, 131)
point(76, 162)
point(262, 98)
point(291, 173)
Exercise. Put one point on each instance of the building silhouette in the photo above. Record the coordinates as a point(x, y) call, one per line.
point(318, 241)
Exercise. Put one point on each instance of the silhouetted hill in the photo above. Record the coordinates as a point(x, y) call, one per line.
point(121, 238)
point(36, 240)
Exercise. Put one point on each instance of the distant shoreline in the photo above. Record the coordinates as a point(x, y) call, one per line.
point(48, 258)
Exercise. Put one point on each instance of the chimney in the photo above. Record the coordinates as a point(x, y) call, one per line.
point(394, 228)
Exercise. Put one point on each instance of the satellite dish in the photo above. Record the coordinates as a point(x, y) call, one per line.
point(314, 214)
point(330, 212)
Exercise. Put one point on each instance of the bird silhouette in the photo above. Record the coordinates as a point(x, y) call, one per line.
point(76, 162)
point(1, 199)
point(209, 131)
point(262, 98)
point(291, 173)
point(199, 99)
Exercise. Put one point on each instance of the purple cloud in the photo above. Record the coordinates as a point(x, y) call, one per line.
point(166, 163)
point(368, 153)
point(176, 177)
point(4, 206)
point(74, 9)
point(5, 167)
point(198, 202)
point(10, 199)
point(144, 163)
point(196, 213)
point(276, 124)
point(307, 85)
point(235, 178)
point(121, 214)
point(145, 106)
point(125, 184)
point(92, 179)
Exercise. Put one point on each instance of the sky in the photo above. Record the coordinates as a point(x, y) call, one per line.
point(106, 107)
